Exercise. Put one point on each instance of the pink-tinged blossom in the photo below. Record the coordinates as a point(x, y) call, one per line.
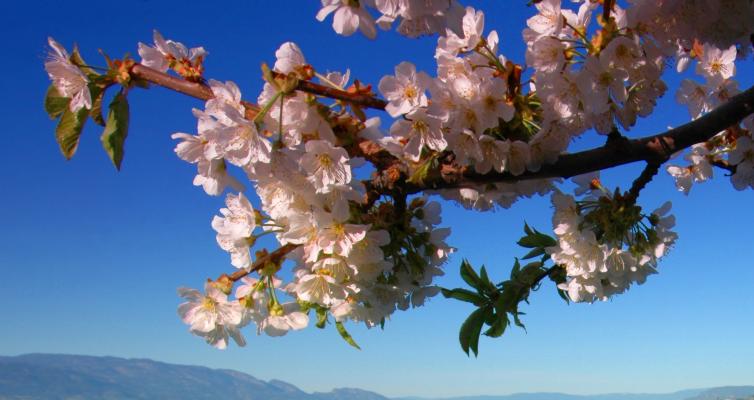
point(211, 315)
point(716, 63)
point(419, 129)
point(465, 145)
point(326, 165)
point(742, 157)
point(664, 222)
point(622, 52)
point(494, 155)
point(405, 91)
point(518, 157)
point(602, 83)
point(289, 318)
point(67, 78)
point(235, 229)
point(493, 104)
point(546, 55)
point(698, 171)
point(228, 133)
point(212, 172)
point(348, 17)
point(213, 177)
point(164, 52)
point(585, 185)
point(369, 249)
point(549, 20)
point(473, 27)
point(272, 319)
point(318, 288)
point(336, 237)
point(289, 58)
point(225, 95)
point(695, 97)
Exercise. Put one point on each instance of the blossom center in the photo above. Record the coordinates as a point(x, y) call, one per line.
point(324, 160)
point(420, 126)
point(209, 304)
point(410, 92)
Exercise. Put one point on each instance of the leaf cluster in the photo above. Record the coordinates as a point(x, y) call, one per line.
point(497, 305)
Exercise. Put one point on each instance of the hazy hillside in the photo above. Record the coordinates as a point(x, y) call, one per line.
point(721, 393)
point(48, 377)
point(68, 377)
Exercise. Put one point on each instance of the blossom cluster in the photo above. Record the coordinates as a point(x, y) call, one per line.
point(359, 266)
point(476, 111)
point(604, 244)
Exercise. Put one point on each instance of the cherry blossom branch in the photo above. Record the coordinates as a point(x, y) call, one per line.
point(203, 92)
point(653, 149)
point(357, 99)
point(365, 148)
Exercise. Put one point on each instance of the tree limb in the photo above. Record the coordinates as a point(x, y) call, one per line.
point(653, 149)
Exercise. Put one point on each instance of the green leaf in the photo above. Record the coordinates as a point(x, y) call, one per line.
point(516, 268)
point(538, 251)
point(483, 274)
point(489, 287)
point(55, 103)
point(537, 240)
point(471, 329)
point(508, 300)
point(498, 327)
point(68, 131)
point(345, 335)
point(464, 295)
point(98, 94)
point(527, 229)
point(469, 275)
point(116, 130)
point(517, 321)
point(534, 238)
point(563, 295)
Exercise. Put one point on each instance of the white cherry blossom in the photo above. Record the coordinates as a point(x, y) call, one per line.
point(326, 165)
point(406, 90)
point(349, 16)
point(211, 315)
point(67, 78)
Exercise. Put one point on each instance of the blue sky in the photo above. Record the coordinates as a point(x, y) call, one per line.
point(90, 258)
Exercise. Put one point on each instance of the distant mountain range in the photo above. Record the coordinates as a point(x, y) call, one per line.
point(71, 377)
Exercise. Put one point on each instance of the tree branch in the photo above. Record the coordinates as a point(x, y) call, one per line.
point(653, 149)
point(275, 257)
point(649, 172)
point(203, 92)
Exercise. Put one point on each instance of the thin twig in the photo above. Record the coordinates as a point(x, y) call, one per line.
point(649, 172)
